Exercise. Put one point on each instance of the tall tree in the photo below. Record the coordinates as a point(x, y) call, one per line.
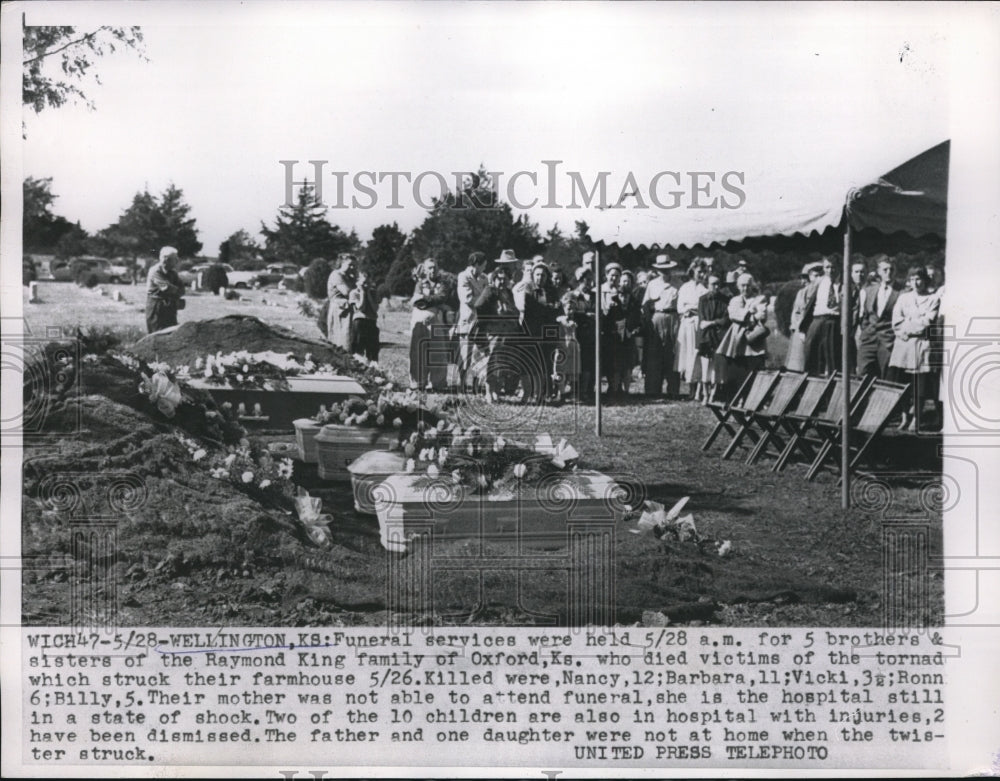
point(470, 220)
point(43, 231)
point(385, 244)
point(174, 226)
point(302, 232)
point(58, 59)
point(149, 224)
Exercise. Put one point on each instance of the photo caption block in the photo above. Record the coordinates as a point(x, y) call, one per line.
point(628, 697)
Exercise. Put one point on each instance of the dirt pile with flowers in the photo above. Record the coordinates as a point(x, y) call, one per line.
point(141, 492)
point(194, 341)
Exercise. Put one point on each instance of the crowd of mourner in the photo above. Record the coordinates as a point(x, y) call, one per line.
point(524, 331)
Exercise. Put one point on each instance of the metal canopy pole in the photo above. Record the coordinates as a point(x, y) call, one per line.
point(597, 343)
point(845, 366)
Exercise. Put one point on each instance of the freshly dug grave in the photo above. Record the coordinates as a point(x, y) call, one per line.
point(232, 333)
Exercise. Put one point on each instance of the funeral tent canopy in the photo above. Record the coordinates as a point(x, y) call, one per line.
point(911, 198)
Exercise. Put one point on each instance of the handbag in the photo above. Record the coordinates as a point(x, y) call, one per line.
point(757, 334)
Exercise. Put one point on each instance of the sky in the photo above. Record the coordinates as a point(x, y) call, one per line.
point(803, 101)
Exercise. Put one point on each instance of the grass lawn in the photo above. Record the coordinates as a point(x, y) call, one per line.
point(797, 558)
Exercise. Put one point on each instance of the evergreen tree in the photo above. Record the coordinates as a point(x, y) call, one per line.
point(302, 232)
point(474, 219)
point(385, 244)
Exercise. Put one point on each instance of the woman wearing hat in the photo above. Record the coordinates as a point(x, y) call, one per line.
point(744, 346)
point(687, 330)
point(660, 315)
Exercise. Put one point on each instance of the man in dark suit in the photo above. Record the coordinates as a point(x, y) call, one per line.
point(876, 337)
point(821, 323)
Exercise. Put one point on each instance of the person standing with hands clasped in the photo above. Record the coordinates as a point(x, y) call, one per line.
point(821, 323)
point(659, 308)
point(744, 344)
point(338, 289)
point(164, 292)
point(364, 319)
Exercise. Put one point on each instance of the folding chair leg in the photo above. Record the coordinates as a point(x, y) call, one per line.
point(722, 424)
point(736, 440)
point(785, 454)
point(824, 451)
point(761, 447)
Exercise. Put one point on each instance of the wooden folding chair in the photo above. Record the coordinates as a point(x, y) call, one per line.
point(826, 412)
point(789, 387)
point(751, 395)
point(748, 415)
point(868, 418)
point(794, 419)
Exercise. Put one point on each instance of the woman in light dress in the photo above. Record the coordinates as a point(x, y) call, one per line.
point(431, 312)
point(795, 359)
point(685, 359)
point(915, 313)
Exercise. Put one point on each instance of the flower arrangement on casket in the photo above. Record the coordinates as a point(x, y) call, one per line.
point(389, 411)
point(482, 462)
point(270, 370)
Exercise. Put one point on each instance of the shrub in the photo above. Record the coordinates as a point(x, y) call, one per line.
point(215, 277)
point(86, 278)
point(316, 277)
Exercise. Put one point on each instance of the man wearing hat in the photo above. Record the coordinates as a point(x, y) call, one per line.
point(164, 292)
point(659, 307)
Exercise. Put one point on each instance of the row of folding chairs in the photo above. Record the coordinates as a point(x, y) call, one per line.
point(783, 414)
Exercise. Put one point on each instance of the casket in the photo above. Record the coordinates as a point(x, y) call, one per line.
point(306, 430)
point(544, 516)
point(370, 469)
point(265, 408)
point(337, 446)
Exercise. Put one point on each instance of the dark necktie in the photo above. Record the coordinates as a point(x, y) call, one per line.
point(831, 297)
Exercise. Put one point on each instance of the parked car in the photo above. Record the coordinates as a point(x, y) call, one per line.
point(275, 273)
point(238, 279)
point(103, 269)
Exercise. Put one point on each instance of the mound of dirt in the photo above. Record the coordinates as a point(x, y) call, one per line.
point(198, 338)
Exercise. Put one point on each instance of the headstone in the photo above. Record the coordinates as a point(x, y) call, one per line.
point(33, 293)
point(223, 291)
point(117, 296)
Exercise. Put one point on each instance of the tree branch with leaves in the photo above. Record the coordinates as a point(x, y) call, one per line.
point(48, 87)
